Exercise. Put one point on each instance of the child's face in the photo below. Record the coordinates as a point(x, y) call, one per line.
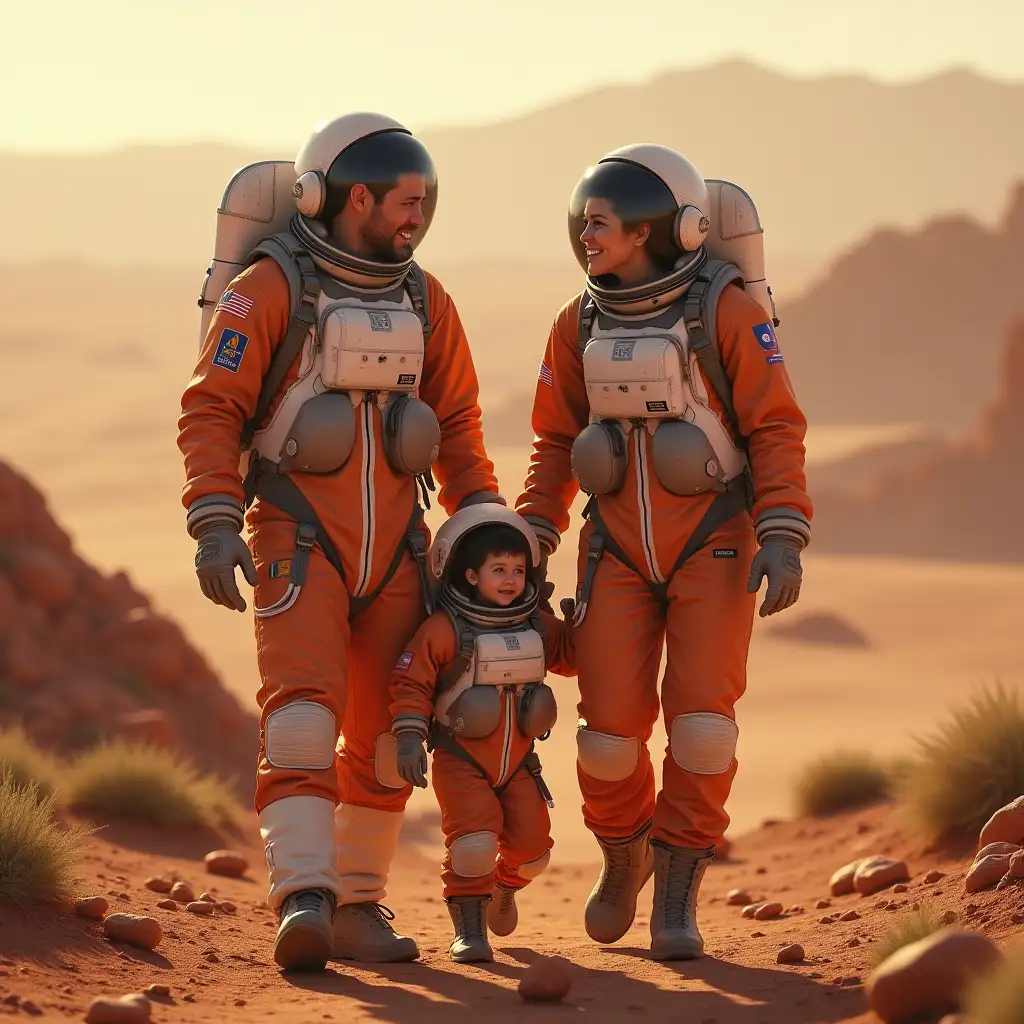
point(500, 580)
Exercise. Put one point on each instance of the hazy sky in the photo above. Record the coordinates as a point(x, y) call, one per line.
point(91, 74)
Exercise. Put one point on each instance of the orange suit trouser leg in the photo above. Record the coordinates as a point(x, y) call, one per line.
point(367, 775)
point(618, 652)
point(302, 652)
point(488, 836)
point(710, 619)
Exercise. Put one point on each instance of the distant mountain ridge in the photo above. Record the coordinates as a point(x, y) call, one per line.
point(826, 159)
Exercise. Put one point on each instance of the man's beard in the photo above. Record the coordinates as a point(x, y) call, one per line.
point(383, 242)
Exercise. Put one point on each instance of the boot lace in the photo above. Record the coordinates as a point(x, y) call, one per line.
point(618, 872)
point(377, 916)
point(471, 917)
point(678, 890)
point(313, 900)
point(507, 901)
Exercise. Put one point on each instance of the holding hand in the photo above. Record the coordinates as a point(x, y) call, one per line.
point(412, 757)
point(779, 560)
point(220, 550)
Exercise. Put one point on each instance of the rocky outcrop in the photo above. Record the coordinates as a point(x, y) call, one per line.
point(84, 656)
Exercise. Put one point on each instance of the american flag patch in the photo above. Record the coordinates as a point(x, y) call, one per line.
point(232, 302)
point(545, 376)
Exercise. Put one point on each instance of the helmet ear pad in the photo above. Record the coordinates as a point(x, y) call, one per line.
point(691, 228)
point(310, 191)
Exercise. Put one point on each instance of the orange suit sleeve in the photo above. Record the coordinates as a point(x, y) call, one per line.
point(414, 677)
point(561, 411)
point(768, 415)
point(450, 387)
point(221, 396)
point(559, 644)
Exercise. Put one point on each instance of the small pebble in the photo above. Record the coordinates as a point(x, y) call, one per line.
point(159, 884)
point(182, 893)
point(738, 898)
point(228, 908)
point(854, 942)
point(91, 907)
point(547, 979)
point(850, 915)
point(767, 911)
point(130, 1009)
point(199, 907)
point(205, 897)
point(133, 930)
point(167, 905)
point(757, 935)
point(932, 877)
point(901, 887)
point(226, 862)
point(158, 991)
point(790, 954)
point(822, 904)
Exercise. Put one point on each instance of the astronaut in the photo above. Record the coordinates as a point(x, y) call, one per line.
point(663, 394)
point(342, 373)
point(470, 684)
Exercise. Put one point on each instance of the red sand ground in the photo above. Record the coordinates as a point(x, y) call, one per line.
point(61, 962)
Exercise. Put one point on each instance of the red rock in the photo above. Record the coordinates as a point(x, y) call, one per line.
point(157, 991)
point(930, 976)
point(822, 904)
point(751, 909)
point(133, 930)
point(841, 882)
point(159, 884)
point(205, 897)
point(182, 892)
point(878, 873)
point(986, 871)
point(227, 907)
point(151, 727)
point(997, 850)
point(790, 954)
point(91, 907)
point(167, 905)
point(547, 979)
point(1016, 869)
point(44, 577)
point(198, 907)
point(767, 911)
point(850, 915)
point(901, 887)
point(932, 877)
point(132, 1009)
point(226, 862)
point(1005, 826)
point(738, 898)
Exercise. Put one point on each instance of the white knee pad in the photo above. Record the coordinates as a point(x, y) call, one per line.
point(474, 855)
point(605, 757)
point(703, 743)
point(532, 868)
point(301, 734)
point(385, 761)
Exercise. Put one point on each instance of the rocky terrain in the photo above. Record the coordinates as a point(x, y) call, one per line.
point(85, 656)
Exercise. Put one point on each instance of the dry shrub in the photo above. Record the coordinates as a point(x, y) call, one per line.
point(149, 785)
point(998, 997)
point(27, 763)
point(909, 928)
point(37, 856)
point(841, 781)
point(969, 768)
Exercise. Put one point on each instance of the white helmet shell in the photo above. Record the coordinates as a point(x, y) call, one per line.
point(683, 180)
point(322, 149)
point(485, 513)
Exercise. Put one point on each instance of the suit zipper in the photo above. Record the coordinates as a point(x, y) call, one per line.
point(508, 696)
point(366, 485)
point(644, 502)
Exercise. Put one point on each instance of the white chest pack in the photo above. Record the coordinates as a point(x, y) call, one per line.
point(499, 659)
point(357, 351)
point(647, 378)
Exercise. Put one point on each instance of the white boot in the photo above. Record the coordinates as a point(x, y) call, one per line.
point(298, 837)
point(365, 842)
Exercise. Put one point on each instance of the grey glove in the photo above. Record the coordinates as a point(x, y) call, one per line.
point(779, 560)
point(220, 549)
point(412, 757)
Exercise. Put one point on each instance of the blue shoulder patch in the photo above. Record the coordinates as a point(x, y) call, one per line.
point(765, 335)
point(230, 349)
